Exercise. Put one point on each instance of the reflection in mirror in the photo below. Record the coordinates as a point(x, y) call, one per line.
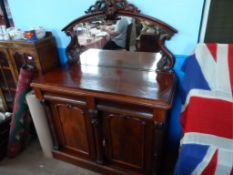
point(91, 35)
point(148, 36)
point(103, 34)
point(132, 34)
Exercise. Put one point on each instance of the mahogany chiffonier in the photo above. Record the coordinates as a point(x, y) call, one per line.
point(108, 111)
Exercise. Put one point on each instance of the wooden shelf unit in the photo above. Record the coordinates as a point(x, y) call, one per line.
point(13, 54)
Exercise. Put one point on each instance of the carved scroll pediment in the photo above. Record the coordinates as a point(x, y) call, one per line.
point(110, 7)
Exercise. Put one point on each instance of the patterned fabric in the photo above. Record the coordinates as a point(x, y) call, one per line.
point(207, 116)
point(20, 117)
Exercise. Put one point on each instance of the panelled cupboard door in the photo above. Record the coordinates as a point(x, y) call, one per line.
point(127, 142)
point(72, 128)
point(4, 57)
point(6, 64)
point(23, 56)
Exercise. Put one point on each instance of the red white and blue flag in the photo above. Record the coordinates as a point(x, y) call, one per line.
point(207, 116)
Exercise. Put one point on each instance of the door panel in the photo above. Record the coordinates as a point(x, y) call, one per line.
point(3, 58)
point(24, 56)
point(7, 81)
point(125, 139)
point(6, 64)
point(71, 127)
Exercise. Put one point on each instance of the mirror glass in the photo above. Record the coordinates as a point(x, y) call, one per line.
point(132, 34)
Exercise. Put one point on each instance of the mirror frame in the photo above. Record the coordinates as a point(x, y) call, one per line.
point(110, 9)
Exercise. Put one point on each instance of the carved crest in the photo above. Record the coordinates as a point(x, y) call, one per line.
point(110, 7)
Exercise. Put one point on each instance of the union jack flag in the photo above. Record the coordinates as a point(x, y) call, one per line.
point(207, 114)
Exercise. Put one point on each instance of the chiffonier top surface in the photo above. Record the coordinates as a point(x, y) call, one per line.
point(114, 75)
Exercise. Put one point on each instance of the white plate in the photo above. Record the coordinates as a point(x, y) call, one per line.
point(101, 34)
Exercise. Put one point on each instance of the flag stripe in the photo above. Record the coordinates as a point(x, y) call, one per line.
point(230, 63)
point(210, 169)
point(204, 163)
point(207, 139)
point(195, 153)
point(213, 50)
point(223, 77)
point(207, 94)
point(209, 110)
point(225, 161)
point(207, 64)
